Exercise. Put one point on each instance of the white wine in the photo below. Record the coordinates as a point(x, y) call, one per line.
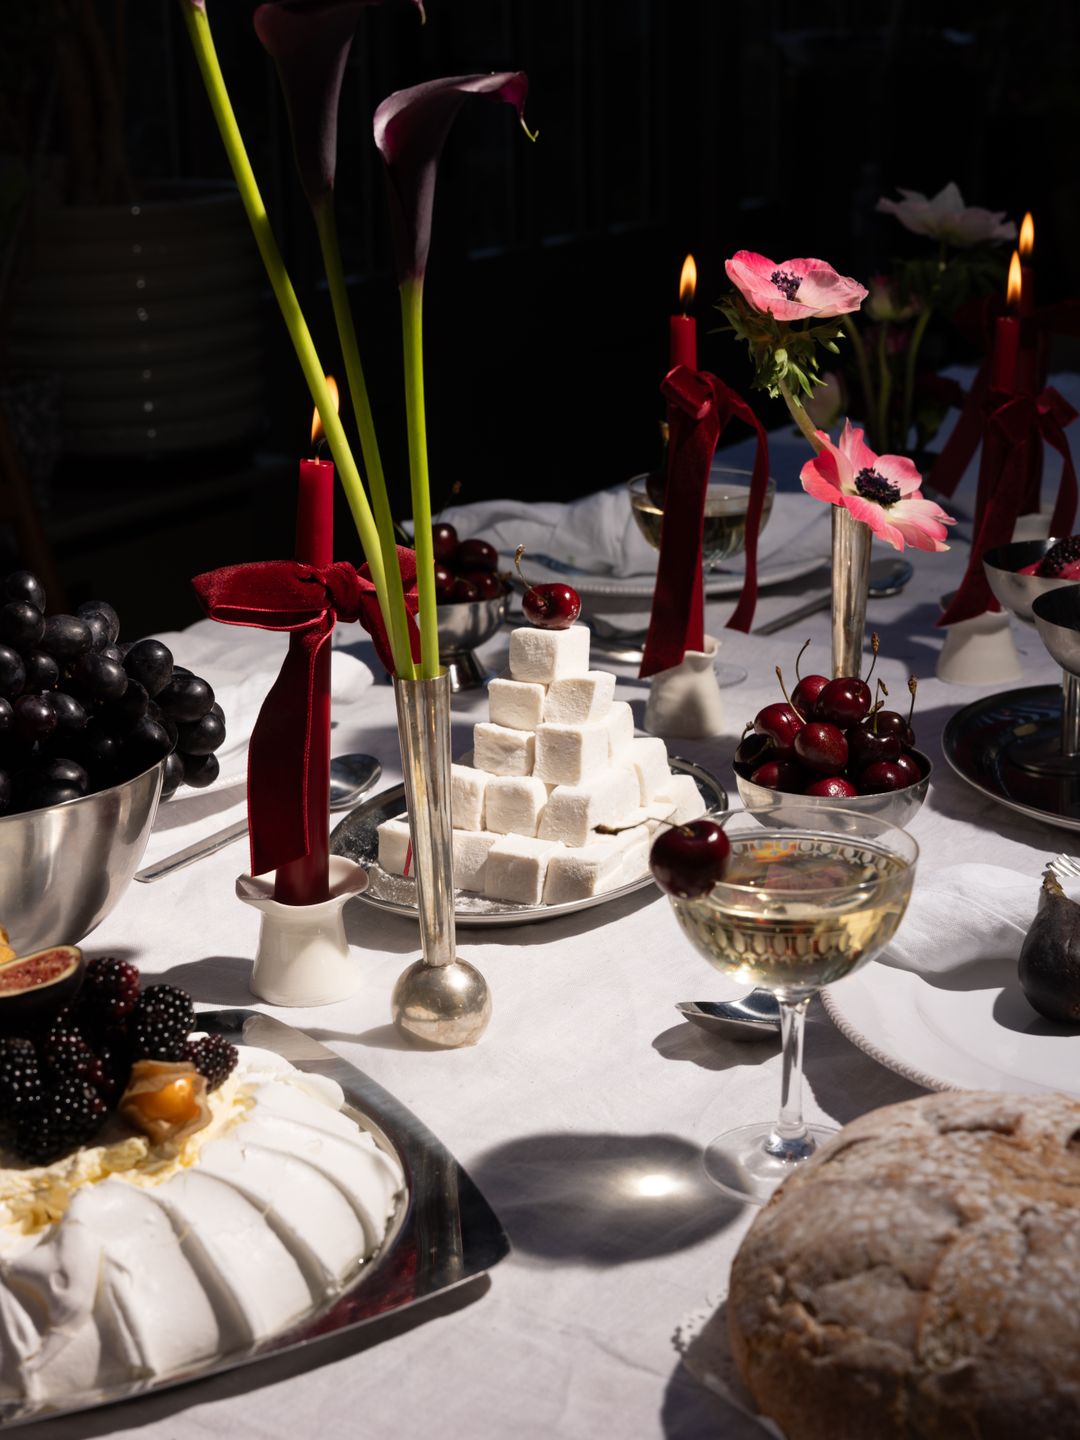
point(724, 532)
point(795, 912)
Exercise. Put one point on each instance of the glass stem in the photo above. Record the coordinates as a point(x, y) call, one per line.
point(789, 1138)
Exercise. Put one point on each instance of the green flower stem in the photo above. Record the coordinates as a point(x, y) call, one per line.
point(801, 418)
point(369, 445)
point(202, 41)
point(909, 372)
point(862, 364)
point(884, 391)
point(412, 309)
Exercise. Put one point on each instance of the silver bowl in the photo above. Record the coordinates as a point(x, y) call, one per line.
point(63, 868)
point(1014, 591)
point(461, 629)
point(896, 806)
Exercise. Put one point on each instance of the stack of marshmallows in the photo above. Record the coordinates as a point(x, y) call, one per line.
point(560, 800)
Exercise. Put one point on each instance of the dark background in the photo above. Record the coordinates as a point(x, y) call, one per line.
point(666, 126)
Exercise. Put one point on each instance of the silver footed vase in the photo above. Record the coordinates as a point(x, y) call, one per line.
point(851, 541)
point(439, 999)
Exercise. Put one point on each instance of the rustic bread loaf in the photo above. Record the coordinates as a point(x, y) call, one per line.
point(920, 1277)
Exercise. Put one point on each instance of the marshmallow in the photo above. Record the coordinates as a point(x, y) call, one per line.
point(648, 755)
point(394, 844)
point(653, 815)
point(633, 847)
point(502, 751)
point(619, 722)
point(515, 803)
point(467, 788)
point(574, 810)
point(570, 754)
point(518, 704)
point(575, 874)
point(545, 655)
point(470, 857)
point(682, 797)
point(576, 699)
point(516, 867)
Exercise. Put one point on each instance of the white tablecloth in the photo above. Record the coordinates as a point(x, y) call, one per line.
point(586, 1083)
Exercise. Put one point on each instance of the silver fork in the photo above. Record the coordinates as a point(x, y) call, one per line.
point(1065, 866)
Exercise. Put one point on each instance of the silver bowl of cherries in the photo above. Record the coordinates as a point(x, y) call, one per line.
point(471, 597)
point(830, 740)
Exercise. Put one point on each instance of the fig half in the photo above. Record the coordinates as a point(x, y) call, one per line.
point(1049, 964)
point(32, 986)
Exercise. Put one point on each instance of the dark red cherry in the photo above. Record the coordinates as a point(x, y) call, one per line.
point(831, 787)
point(551, 607)
point(910, 768)
point(891, 722)
point(753, 750)
point(843, 701)
point(444, 542)
point(488, 586)
point(462, 591)
point(781, 724)
point(476, 555)
point(865, 746)
point(780, 775)
point(881, 777)
point(821, 747)
point(688, 860)
point(444, 584)
point(804, 696)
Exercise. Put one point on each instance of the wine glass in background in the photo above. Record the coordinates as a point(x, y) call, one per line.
point(727, 501)
point(810, 893)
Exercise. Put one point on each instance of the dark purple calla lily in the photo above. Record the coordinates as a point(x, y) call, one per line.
point(411, 127)
point(309, 42)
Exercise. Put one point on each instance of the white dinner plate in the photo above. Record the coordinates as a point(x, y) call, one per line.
point(968, 1028)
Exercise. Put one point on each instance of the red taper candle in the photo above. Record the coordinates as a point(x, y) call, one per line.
point(683, 327)
point(1007, 335)
point(306, 881)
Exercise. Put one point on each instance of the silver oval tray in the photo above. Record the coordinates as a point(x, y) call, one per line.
point(357, 838)
point(444, 1235)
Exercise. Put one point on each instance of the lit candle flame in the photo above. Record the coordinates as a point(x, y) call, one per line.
point(1027, 236)
point(317, 431)
point(1012, 289)
point(687, 284)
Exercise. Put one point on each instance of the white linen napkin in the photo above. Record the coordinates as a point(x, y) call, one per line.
point(963, 913)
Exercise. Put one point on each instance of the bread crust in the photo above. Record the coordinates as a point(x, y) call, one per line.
point(919, 1278)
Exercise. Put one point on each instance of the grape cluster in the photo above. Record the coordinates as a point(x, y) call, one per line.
point(80, 712)
point(59, 1084)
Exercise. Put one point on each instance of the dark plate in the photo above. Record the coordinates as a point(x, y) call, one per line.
point(977, 743)
point(444, 1235)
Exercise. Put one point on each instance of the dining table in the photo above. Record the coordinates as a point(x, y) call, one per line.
point(582, 1113)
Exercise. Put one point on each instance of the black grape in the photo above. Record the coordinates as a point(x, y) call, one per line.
point(200, 737)
point(104, 609)
point(174, 775)
point(35, 718)
point(42, 671)
point(201, 770)
point(66, 637)
point(151, 663)
point(186, 697)
point(21, 624)
point(23, 585)
point(62, 771)
point(13, 673)
point(70, 715)
point(95, 678)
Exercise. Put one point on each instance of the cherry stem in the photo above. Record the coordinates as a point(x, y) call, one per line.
point(878, 705)
point(746, 729)
point(798, 657)
point(875, 646)
point(518, 553)
point(787, 697)
point(912, 686)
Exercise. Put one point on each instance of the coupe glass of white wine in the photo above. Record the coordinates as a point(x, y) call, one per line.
point(811, 892)
point(724, 530)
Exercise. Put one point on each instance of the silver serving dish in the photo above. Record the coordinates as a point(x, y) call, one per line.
point(63, 868)
point(444, 1235)
point(1014, 591)
point(461, 629)
point(897, 807)
point(357, 838)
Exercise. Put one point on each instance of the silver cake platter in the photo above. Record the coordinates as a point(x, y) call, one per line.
point(357, 838)
point(980, 740)
point(444, 1235)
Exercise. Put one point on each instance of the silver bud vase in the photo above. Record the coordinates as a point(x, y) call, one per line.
point(439, 999)
point(851, 541)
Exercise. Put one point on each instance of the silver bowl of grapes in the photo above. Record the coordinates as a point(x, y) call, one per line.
point(64, 867)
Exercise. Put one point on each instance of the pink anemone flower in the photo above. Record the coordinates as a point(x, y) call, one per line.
point(793, 289)
point(880, 490)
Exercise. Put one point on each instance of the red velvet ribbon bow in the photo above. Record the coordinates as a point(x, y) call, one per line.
point(304, 600)
point(1018, 423)
point(699, 407)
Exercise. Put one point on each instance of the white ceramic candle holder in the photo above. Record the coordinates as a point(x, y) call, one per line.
point(303, 956)
point(684, 701)
point(979, 651)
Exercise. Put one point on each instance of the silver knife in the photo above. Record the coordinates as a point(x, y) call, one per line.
point(188, 856)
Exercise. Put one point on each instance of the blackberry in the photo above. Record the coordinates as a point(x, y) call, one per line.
point(69, 1115)
point(111, 988)
point(67, 1053)
point(1058, 556)
point(156, 1037)
point(213, 1057)
point(20, 1079)
point(169, 1005)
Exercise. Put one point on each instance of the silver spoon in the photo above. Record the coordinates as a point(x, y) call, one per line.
point(351, 777)
point(755, 1016)
point(888, 576)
